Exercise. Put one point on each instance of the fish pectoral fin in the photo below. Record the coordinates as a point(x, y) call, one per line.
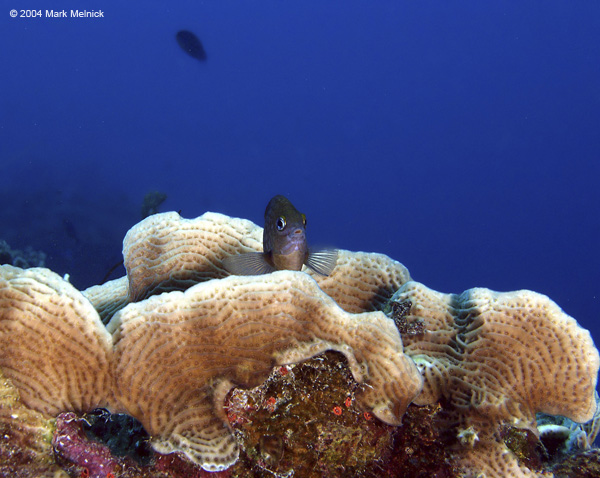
point(322, 261)
point(248, 264)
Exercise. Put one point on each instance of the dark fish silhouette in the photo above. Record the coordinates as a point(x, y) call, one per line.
point(190, 44)
point(69, 229)
point(284, 245)
point(152, 202)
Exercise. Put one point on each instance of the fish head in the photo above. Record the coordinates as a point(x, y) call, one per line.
point(284, 235)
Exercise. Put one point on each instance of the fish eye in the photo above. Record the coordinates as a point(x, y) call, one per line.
point(280, 223)
point(303, 220)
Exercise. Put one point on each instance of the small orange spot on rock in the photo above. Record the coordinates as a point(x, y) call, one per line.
point(270, 403)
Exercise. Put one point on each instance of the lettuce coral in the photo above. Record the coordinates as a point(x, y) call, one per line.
point(168, 343)
point(497, 359)
point(171, 359)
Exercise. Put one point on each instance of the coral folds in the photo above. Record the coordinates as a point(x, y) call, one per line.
point(178, 370)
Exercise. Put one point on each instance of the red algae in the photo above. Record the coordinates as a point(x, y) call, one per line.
point(80, 455)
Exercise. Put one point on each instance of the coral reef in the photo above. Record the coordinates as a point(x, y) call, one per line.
point(580, 465)
point(109, 297)
point(21, 258)
point(496, 359)
point(284, 374)
point(79, 455)
point(61, 357)
point(25, 438)
point(165, 252)
point(55, 349)
point(235, 330)
point(290, 425)
point(562, 437)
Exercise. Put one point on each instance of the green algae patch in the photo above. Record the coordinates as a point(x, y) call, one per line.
point(25, 437)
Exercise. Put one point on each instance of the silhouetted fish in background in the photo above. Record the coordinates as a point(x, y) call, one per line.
point(190, 44)
point(284, 245)
point(69, 229)
point(152, 202)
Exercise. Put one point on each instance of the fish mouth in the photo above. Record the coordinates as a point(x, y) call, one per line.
point(295, 241)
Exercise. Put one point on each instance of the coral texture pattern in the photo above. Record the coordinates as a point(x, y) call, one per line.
point(499, 358)
point(165, 252)
point(55, 349)
point(195, 346)
point(109, 297)
point(178, 354)
point(203, 362)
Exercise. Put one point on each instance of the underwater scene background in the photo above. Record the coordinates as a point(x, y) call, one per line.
point(458, 138)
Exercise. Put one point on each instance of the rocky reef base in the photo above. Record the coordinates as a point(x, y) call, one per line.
point(303, 421)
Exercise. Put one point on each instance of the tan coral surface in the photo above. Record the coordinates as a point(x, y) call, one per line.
point(488, 359)
point(499, 358)
point(53, 346)
point(165, 252)
point(195, 346)
point(175, 356)
point(109, 297)
point(508, 354)
point(492, 459)
point(362, 281)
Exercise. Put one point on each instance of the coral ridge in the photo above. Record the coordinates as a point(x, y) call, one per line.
point(182, 340)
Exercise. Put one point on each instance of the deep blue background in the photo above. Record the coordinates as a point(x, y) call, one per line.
point(460, 138)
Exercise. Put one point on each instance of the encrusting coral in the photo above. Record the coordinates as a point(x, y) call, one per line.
point(54, 348)
point(60, 357)
point(109, 297)
point(234, 331)
point(498, 358)
point(25, 437)
point(181, 335)
point(165, 252)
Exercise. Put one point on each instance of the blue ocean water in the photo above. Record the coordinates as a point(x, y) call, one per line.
point(460, 138)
